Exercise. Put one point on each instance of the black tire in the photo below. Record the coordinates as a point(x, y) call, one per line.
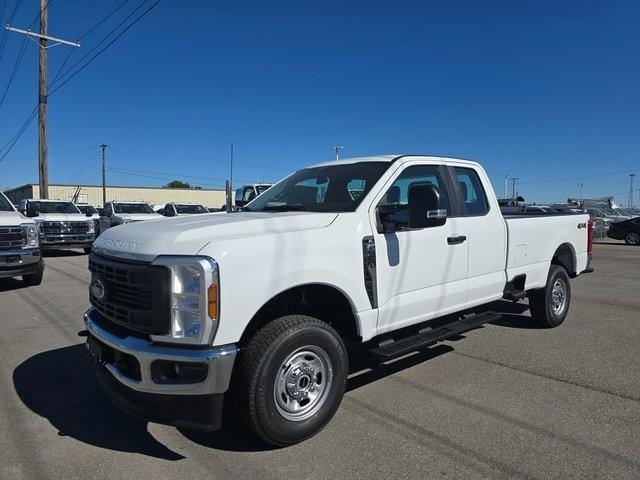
point(33, 279)
point(541, 301)
point(632, 238)
point(87, 250)
point(260, 365)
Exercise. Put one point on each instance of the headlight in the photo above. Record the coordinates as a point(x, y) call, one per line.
point(32, 234)
point(92, 227)
point(194, 291)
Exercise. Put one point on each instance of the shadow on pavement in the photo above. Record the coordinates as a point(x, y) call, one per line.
point(60, 385)
point(8, 284)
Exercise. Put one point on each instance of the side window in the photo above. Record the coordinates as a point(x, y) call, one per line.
point(475, 200)
point(398, 193)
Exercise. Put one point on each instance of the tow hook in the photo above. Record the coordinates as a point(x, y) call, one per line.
point(83, 333)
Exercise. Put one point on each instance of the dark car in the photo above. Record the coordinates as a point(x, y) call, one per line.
point(628, 230)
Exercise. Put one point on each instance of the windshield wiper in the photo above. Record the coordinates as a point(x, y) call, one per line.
point(287, 207)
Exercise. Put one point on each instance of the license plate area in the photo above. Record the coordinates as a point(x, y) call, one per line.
point(100, 353)
point(10, 260)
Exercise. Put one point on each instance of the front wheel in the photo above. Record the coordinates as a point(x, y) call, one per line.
point(550, 305)
point(291, 379)
point(632, 238)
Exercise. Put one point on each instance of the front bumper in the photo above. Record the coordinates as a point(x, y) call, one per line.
point(137, 391)
point(67, 241)
point(15, 263)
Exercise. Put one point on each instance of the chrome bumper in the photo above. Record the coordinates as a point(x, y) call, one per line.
point(220, 362)
point(67, 240)
point(13, 262)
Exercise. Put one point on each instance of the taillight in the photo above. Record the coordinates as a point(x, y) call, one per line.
point(590, 236)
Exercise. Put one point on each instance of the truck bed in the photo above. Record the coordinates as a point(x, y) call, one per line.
point(533, 239)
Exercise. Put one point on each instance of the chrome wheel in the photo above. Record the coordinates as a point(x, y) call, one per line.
point(303, 383)
point(633, 238)
point(559, 296)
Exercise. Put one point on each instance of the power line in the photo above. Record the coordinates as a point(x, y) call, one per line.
point(4, 35)
point(82, 67)
point(21, 51)
point(105, 18)
point(7, 147)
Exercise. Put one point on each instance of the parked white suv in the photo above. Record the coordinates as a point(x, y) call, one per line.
point(60, 223)
point(20, 254)
point(357, 254)
point(121, 213)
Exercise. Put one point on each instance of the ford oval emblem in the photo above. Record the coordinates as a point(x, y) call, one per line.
point(98, 290)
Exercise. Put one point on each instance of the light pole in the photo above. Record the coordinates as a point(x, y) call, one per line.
point(337, 149)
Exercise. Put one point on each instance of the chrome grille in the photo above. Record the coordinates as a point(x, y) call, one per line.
point(62, 228)
point(12, 237)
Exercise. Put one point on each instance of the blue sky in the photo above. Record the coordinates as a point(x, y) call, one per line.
point(546, 91)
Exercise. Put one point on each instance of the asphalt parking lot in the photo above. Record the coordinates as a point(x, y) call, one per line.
point(507, 400)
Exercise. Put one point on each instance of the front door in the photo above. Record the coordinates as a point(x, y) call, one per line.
point(421, 274)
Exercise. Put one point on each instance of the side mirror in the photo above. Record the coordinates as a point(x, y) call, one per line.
point(425, 207)
point(168, 211)
point(100, 211)
point(88, 214)
point(32, 210)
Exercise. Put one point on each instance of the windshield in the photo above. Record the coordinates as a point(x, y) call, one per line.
point(132, 208)
point(332, 188)
point(262, 188)
point(86, 209)
point(190, 209)
point(5, 205)
point(55, 207)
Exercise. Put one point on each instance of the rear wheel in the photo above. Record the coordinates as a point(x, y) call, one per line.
point(291, 379)
point(550, 305)
point(33, 279)
point(632, 238)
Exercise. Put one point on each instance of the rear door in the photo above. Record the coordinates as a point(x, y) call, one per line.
point(482, 223)
point(421, 274)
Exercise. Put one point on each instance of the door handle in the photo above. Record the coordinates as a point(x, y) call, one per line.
point(456, 240)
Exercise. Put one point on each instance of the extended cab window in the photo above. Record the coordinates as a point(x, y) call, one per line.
point(398, 193)
point(473, 196)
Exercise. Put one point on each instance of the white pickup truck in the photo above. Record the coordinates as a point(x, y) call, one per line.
point(61, 225)
point(121, 213)
point(352, 254)
point(20, 254)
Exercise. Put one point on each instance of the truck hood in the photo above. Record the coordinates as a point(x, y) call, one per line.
point(12, 219)
point(62, 217)
point(186, 235)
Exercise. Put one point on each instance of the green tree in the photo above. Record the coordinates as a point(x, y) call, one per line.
point(177, 184)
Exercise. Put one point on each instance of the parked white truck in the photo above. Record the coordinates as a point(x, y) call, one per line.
point(352, 254)
point(20, 254)
point(60, 224)
point(121, 213)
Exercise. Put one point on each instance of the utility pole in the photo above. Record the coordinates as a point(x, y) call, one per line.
point(104, 175)
point(43, 167)
point(231, 174)
point(506, 183)
point(513, 187)
point(337, 149)
point(630, 204)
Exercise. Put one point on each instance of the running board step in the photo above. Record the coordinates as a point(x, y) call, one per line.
point(431, 337)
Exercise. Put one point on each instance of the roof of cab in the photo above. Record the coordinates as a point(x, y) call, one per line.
point(391, 159)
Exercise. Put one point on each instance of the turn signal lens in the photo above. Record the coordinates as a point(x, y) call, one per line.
point(212, 301)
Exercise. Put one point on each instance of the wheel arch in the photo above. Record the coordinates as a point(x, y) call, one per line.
point(565, 256)
point(320, 300)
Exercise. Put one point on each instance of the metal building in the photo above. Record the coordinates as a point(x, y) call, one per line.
point(92, 194)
